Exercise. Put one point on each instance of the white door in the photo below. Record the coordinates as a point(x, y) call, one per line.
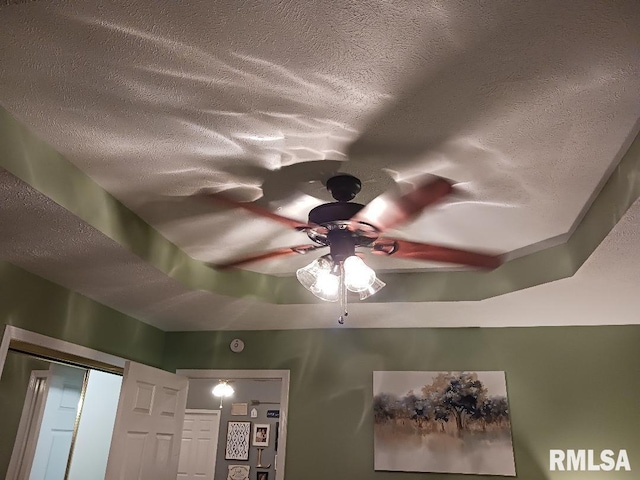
point(148, 427)
point(199, 445)
point(58, 423)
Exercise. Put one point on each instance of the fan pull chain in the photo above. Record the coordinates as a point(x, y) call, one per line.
point(343, 297)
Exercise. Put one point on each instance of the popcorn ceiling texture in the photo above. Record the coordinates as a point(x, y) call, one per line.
point(44, 238)
point(526, 104)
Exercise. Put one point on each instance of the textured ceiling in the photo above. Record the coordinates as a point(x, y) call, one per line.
point(42, 237)
point(525, 105)
point(528, 106)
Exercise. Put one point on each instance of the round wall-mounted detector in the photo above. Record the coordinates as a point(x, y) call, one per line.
point(237, 345)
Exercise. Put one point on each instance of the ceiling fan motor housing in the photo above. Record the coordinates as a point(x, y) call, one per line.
point(344, 187)
point(334, 222)
point(342, 244)
point(336, 228)
point(333, 212)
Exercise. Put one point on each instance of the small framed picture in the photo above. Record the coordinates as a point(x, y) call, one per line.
point(261, 435)
point(238, 472)
point(262, 476)
point(239, 409)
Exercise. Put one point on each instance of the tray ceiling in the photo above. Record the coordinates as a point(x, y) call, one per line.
point(528, 107)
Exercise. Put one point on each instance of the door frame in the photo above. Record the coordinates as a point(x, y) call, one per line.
point(25, 341)
point(37, 344)
point(29, 428)
point(282, 375)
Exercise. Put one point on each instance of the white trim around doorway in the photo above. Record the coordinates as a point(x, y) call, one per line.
point(282, 375)
point(12, 333)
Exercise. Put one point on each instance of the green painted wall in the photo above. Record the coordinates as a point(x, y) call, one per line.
point(30, 302)
point(569, 387)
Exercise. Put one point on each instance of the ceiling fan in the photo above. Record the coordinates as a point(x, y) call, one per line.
point(343, 226)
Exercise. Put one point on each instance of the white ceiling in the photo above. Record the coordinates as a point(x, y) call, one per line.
point(526, 104)
point(46, 239)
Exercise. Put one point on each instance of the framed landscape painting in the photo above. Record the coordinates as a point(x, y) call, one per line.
point(444, 422)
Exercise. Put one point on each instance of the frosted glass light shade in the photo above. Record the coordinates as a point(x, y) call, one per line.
point(318, 279)
point(358, 276)
point(223, 389)
point(327, 286)
point(372, 289)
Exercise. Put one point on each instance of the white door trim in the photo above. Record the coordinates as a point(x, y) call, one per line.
point(11, 333)
point(29, 428)
point(202, 410)
point(283, 375)
point(15, 333)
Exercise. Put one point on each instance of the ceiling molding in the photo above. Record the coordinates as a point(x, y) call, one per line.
point(41, 166)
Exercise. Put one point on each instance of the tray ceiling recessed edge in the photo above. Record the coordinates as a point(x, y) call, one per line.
point(38, 164)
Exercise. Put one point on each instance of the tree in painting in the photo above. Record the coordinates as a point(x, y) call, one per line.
point(453, 422)
point(462, 397)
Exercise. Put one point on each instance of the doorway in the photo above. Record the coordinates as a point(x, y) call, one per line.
point(63, 428)
point(150, 412)
point(260, 399)
point(26, 360)
point(145, 445)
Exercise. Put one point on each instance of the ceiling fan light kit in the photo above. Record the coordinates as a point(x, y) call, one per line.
point(344, 225)
point(222, 390)
point(358, 276)
point(329, 280)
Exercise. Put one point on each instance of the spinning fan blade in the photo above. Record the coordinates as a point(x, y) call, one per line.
point(387, 211)
point(424, 251)
point(281, 252)
point(260, 211)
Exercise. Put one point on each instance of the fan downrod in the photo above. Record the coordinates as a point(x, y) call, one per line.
point(344, 188)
